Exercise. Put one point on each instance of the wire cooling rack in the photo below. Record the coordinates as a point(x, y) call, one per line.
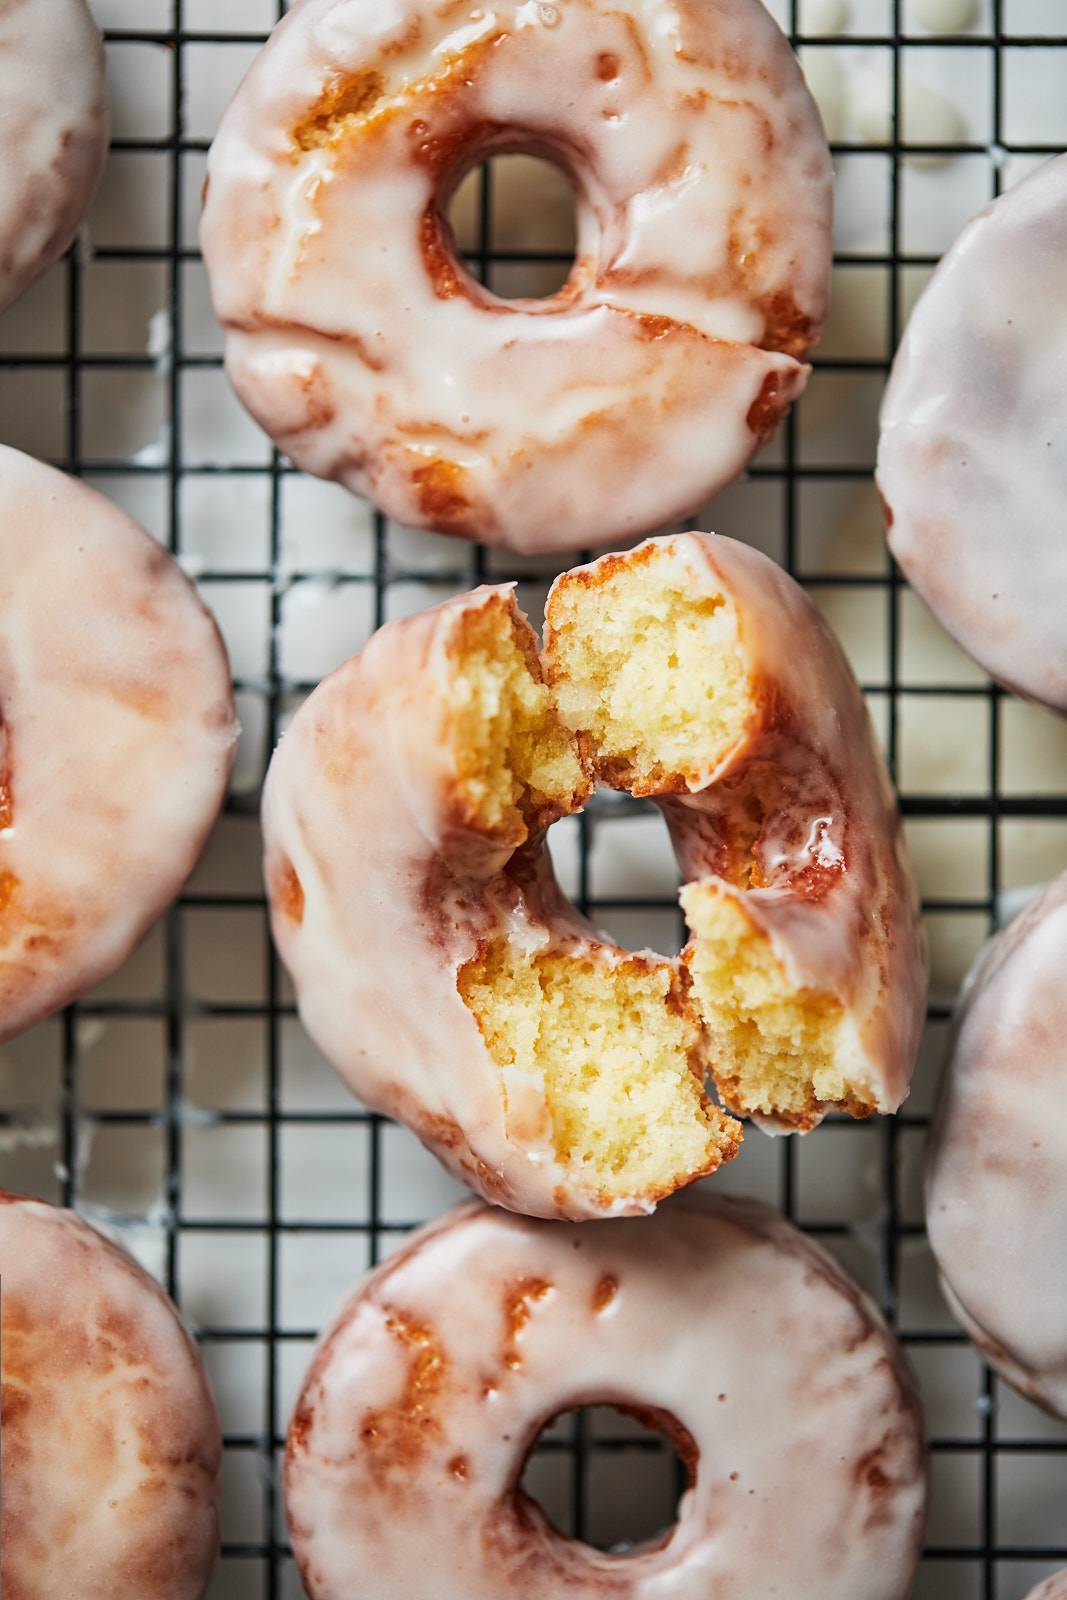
point(181, 1103)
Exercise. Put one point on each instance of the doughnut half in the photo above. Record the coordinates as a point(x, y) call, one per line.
point(53, 132)
point(369, 353)
point(972, 460)
point(117, 732)
point(109, 1443)
point(776, 1379)
point(996, 1178)
point(440, 969)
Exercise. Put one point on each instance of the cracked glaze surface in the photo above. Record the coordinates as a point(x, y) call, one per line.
point(109, 1440)
point(117, 731)
point(53, 132)
point(776, 1377)
point(972, 461)
point(702, 182)
point(379, 893)
point(996, 1182)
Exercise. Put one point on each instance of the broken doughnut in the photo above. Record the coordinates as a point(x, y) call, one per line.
point(783, 1391)
point(361, 343)
point(437, 964)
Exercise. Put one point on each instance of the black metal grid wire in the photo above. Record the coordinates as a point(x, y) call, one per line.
point(999, 1467)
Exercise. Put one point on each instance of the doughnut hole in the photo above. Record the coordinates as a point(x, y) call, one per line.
point(525, 206)
point(637, 1461)
point(774, 1047)
point(617, 1049)
point(647, 672)
point(518, 767)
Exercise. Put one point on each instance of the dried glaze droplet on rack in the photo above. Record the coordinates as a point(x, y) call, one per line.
point(53, 137)
point(972, 461)
point(117, 731)
point(783, 1390)
point(363, 345)
point(997, 1164)
point(441, 970)
point(110, 1443)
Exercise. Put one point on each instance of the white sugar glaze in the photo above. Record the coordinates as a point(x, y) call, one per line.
point(53, 132)
point(433, 1382)
point(972, 462)
point(110, 1443)
point(702, 180)
point(378, 895)
point(117, 731)
point(997, 1167)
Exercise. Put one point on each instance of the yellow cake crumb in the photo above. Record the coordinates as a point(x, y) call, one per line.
point(614, 1045)
point(775, 1045)
point(518, 766)
point(648, 671)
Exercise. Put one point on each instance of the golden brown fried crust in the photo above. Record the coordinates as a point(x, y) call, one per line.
point(342, 100)
point(287, 892)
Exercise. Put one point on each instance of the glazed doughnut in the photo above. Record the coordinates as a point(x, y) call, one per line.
point(363, 346)
point(116, 736)
point(777, 1380)
point(997, 1165)
point(110, 1443)
point(53, 133)
point(972, 462)
point(1054, 1588)
point(404, 819)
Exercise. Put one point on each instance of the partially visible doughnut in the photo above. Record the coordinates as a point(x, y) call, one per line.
point(53, 132)
point(778, 1381)
point(360, 342)
point(437, 964)
point(109, 1444)
point(996, 1177)
point(117, 732)
point(972, 460)
point(1054, 1588)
